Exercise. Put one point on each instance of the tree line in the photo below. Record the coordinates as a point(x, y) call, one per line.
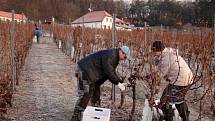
point(173, 13)
point(155, 12)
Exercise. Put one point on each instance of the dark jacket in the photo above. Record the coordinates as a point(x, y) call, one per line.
point(38, 33)
point(100, 66)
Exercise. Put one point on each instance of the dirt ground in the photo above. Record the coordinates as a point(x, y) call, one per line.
point(47, 90)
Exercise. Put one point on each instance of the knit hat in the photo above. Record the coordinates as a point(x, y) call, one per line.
point(157, 46)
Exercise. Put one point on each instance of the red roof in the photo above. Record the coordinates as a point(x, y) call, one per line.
point(95, 16)
point(9, 15)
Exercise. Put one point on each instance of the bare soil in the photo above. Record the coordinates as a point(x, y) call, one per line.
point(47, 91)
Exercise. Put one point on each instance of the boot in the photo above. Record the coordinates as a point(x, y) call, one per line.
point(96, 103)
point(77, 115)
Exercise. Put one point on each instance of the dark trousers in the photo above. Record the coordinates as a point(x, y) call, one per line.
point(38, 39)
point(183, 111)
point(176, 95)
point(95, 100)
point(85, 92)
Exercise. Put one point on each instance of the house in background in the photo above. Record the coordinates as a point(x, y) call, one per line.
point(7, 16)
point(122, 25)
point(101, 20)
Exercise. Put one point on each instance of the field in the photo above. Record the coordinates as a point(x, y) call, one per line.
point(195, 46)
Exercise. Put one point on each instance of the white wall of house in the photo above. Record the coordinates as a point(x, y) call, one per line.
point(10, 19)
point(107, 23)
point(91, 25)
point(3, 18)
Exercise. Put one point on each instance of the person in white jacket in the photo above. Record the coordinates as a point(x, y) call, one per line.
point(173, 68)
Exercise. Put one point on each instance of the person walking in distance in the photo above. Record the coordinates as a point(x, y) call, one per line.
point(37, 33)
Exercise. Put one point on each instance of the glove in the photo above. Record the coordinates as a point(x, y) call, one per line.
point(122, 86)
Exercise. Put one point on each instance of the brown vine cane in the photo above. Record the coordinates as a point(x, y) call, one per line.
point(132, 83)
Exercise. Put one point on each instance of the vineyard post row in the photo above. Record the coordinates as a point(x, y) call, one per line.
point(15, 42)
